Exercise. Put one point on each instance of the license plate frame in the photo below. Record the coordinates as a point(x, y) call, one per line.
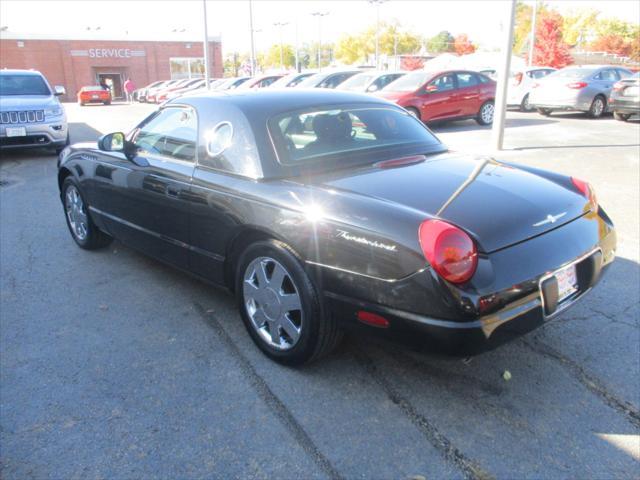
point(16, 132)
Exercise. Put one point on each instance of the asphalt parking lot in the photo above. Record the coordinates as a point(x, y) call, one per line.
point(116, 366)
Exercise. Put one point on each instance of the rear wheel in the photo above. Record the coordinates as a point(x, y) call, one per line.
point(107, 103)
point(83, 230)
point(598, 107)
point(525, 106)
point(485, 114)
point(545, 111)
point(623, 117)
point(280, 306)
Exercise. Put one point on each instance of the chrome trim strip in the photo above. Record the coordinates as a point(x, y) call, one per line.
point(351, 272)
point(566, 304)
point(178, 243)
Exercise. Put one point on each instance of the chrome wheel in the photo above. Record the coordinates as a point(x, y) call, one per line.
point(598, 107)
point(76, 213)
point(486, 113)
point(272, 302)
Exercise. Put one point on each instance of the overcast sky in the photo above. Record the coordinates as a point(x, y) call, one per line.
point(481, 20)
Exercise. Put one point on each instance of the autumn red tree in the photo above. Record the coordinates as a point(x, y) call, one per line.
point(612, 44)
point(462, 45)
point(550, 50)
point(411, 63)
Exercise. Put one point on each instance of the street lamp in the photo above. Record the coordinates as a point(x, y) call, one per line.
point(319, 15)
point(280, 25)
point(377, 3)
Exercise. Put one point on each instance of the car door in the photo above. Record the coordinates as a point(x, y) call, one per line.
point(437, 98)
point(145, 196)
point(604, 81)
point(467, 95)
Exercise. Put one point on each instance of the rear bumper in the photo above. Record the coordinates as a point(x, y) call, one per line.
point(622, 105)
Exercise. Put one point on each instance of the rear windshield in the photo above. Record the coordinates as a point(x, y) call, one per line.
point(348, 135)
point(357, 82)
point(23, 85)
point(409, 82)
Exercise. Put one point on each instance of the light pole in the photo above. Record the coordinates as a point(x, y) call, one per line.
point(533, 33)
point(280, 25)
point(253, 47)
point(377, 3)
point(206, 47)
point(319, 15)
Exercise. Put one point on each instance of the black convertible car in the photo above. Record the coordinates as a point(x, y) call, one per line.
point(325, 210)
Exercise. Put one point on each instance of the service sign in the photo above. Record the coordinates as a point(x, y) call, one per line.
point(108, 53)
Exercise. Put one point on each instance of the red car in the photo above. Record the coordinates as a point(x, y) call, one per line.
point(94, 94)
point(448, 95)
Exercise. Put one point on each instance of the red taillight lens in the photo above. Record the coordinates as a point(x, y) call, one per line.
point(517, 79)
point(577, 85)
point(618, 86)
point(449, 250)
point(587, 191)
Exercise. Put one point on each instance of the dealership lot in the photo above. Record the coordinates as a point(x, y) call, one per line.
point(114, 365)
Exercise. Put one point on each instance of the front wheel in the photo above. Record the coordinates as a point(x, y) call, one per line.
point(485, 114)
point(544, 111)
point(280, 306)
point(82, 229)
point(525, 106)
point(598, 107)
point(623, 117)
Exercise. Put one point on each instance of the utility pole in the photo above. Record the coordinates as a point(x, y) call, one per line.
point(253, 48)
point(280, 25)
point(319, 15)
point(297, 49)
point(533, 32)
point(377, 4)
point(497, 131)
point(206, 47)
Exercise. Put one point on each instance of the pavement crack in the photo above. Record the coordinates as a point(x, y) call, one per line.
point(588, 380)
point(271, 399)
point(469, 468)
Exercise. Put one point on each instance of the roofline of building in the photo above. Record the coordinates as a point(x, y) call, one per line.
point(105, 37)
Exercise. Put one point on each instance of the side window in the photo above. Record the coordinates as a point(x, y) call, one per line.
point(608, 75)
point(466, 79)
point(173, 132)
point(483, 79)
point(623, 73)
point(441, 84)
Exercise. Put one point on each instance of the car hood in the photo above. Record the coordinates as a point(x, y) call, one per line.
point(27, 102)
point(499, 205)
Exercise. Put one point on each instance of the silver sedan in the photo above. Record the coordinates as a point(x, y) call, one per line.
point(579, 88)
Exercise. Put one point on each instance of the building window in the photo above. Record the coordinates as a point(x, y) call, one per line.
point(186, 68)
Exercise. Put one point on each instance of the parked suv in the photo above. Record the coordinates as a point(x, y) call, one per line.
point(30, 113)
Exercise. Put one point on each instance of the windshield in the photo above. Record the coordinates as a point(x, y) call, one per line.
point(347, 135)
point(357, 82)
point(409, 82)
point(573, 73)
point(313, 80)
point(23, 85)
point(290, 80)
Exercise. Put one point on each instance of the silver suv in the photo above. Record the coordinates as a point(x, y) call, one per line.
point(30, 113)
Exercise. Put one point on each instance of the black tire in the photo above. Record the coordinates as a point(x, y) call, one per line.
point(59, 149)
point(525, 106)
point(95, 238)
point(107, 103)
point(319, 333)
point(483, 119)
point(596, 110)
point(623, 117)
point(414, 112)
point(544, 111)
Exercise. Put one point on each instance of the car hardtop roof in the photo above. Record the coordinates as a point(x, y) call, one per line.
point(20, 71)
point(265, 103)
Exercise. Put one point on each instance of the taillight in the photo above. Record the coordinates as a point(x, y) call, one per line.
point(449, 250)
point(618, 86)
point(577, 85)
point(517, 79)
point(535, 85)
point(587, 191)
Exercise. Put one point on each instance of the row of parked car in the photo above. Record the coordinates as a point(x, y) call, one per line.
point(451, 94)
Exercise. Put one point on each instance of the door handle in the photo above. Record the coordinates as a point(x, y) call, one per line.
point(173, 191)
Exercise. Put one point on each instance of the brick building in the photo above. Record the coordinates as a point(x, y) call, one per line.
point(76, 62)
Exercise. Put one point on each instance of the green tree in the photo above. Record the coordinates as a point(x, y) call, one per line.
point(272, 56)
point(579, 25)
point(442, 42)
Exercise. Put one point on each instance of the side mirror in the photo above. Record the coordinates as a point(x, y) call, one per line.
point(112, 142)
point(372, 88)
point(431, 88)
point(59, 90)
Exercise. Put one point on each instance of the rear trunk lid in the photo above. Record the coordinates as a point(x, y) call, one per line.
point(497, 204)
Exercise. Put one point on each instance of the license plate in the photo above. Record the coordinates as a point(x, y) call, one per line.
point(631, 92)
point(567, 282)
point(16, 132)
point(95, 96)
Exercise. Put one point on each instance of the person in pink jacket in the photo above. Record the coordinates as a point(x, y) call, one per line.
point(129, 88)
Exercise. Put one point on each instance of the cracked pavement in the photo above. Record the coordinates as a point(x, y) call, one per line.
point(114, 365)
